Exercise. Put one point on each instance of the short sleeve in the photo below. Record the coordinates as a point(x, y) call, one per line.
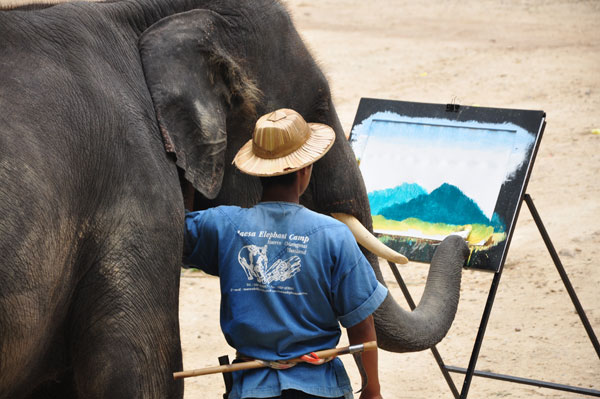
point(356, 291)
point(200, 248)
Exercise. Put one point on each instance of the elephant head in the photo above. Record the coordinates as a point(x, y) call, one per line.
point(210, 75)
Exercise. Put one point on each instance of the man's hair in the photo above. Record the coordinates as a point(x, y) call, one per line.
point(281, 180)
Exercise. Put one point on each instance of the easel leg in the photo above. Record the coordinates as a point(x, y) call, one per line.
point(479, 340)
point(492, 294)
point(563, 274)
point(434, 350)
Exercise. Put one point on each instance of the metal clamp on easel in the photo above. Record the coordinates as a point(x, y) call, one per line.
point(453, 106)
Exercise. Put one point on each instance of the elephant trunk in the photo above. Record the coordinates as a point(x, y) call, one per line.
point(399, 330)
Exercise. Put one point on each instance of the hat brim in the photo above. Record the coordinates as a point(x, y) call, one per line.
point(320, 141)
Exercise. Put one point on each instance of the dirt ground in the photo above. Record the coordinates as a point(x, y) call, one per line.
point(525, 54)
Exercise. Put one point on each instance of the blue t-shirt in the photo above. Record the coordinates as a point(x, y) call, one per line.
point(289, 276)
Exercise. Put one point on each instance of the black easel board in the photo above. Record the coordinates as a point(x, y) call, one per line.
point(438, 169)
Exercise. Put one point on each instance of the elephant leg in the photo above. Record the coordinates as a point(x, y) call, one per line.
point(124, 326)
point(32, 288)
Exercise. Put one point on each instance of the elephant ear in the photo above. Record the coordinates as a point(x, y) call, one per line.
point(192, 81)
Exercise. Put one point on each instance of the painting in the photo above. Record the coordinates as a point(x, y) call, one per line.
point(432, 170)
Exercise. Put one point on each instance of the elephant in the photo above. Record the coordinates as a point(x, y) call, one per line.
point(115, 117)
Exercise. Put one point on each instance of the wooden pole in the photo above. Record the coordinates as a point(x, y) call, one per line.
point(254, 364)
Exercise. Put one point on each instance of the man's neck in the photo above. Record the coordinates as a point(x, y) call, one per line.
point(281, 194)
point(291, 192)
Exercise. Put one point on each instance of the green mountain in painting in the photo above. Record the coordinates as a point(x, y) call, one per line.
point(446, 204)
point(401, 194)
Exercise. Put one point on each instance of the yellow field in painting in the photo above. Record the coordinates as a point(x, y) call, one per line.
point(479, 232)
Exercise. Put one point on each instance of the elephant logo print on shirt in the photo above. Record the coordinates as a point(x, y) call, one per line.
point(255, 263)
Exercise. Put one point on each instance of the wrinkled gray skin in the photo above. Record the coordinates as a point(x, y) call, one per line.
point(91, 208)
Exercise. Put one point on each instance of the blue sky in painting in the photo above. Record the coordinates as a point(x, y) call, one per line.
point(475, 157)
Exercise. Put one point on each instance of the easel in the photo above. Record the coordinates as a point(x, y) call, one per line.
point(526, 124)
point(470, 371)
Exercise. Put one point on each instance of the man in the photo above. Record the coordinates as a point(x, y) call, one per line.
point(288, 276)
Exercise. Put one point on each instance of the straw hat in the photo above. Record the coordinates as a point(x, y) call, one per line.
point(282, 142)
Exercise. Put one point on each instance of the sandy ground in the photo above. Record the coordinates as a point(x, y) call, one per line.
point(526, 54)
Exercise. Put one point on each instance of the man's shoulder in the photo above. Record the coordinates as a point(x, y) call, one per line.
point(228, 209)
point(321, 219)
point(321, 223)
point(215, 216)
point(222, 209)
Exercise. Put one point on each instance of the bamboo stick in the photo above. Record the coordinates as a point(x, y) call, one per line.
point(254, 364)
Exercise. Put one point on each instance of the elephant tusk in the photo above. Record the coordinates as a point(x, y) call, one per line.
point(365, 238)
